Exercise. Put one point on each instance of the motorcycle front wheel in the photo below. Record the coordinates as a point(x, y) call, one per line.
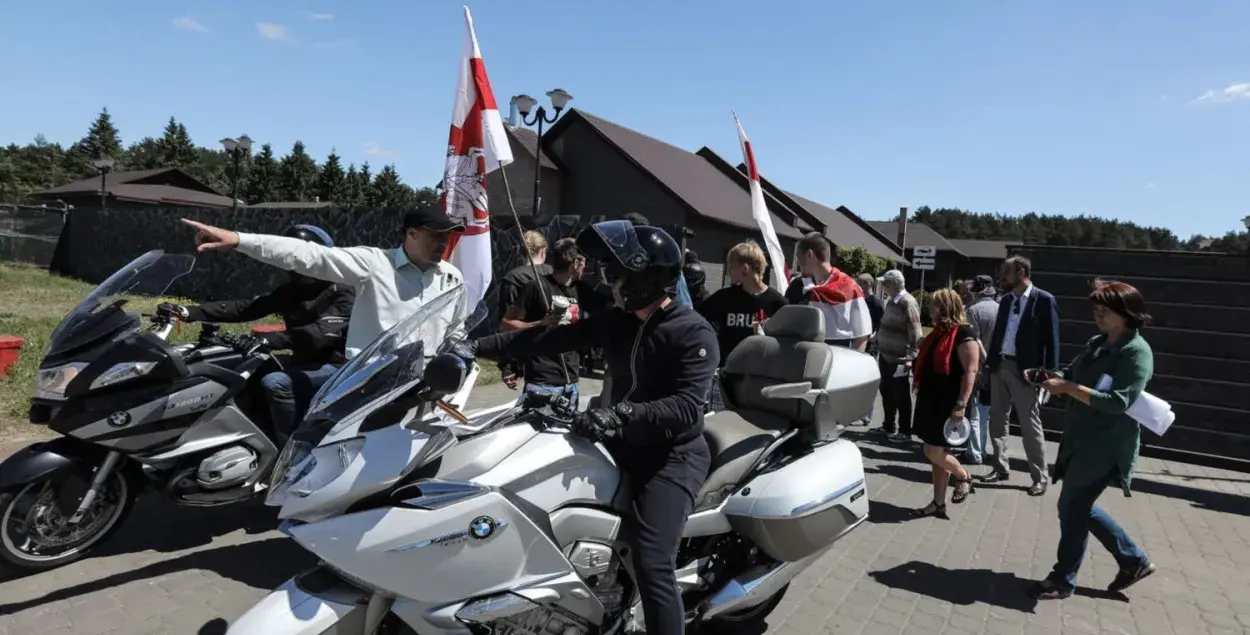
point(36, 536)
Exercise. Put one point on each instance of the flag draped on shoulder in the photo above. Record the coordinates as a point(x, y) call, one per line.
point(477, 144)
point(759, 209)
point(842, 301)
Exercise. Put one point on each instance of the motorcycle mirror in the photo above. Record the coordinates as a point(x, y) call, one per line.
point(445, 373)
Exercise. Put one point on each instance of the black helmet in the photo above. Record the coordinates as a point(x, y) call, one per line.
point(645, 258)
point(311, 233)
point(696, 277)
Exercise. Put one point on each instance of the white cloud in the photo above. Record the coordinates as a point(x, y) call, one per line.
point(375, 149)
point(188, 23)
point(321, 16)
point(271, 31)
point(1232, 92)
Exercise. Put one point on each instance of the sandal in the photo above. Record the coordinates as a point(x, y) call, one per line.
point(1049, 590)
point(931, 510)
point(962, 492)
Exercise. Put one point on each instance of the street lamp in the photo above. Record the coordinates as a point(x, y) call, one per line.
point(525, 105)
point(104, 165)
point(236, 148)
point(1246, 221)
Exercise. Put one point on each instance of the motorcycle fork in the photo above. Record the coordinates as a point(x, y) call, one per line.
point(97, 483)
point(379, 606)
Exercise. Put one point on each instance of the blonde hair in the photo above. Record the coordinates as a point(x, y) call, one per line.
point(751, 255)
point(535, 243)
point(950, 309)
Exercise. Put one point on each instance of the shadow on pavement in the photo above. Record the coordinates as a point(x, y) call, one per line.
point(960, 586)
point(1202, 498)
point(883, 513)
point(157, 524)
point(263, 564)
point(904, 472)
point(215, 626)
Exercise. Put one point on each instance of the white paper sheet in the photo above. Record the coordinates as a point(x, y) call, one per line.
point(1152, 412)
point(1104, 383)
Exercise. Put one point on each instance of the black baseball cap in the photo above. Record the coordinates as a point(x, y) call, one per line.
point(431, 217)
point(981, 284)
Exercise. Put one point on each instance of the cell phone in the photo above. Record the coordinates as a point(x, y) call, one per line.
point(1038, 375)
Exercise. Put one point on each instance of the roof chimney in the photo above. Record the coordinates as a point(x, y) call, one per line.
point(902, 228)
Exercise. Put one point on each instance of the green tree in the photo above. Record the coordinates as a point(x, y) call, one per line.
point(144, 154)
point(856, 260)
point(389, 191)
point(39, 165)
point(297, 175)
point(366, 186)
point(354, 188)
point(425, 196)
point(175, 146)
point(333, 181)
point(262, 178)
point(102, 140)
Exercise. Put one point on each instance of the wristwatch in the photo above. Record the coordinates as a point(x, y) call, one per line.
point(960, 405)
point(624, 410)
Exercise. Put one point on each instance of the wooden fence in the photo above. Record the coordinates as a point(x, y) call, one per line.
point(1200, 335)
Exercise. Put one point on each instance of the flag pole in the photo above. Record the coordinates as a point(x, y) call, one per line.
point(542, 290)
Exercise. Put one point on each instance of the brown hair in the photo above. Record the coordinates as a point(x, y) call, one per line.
point(565, 253)
point(751, 255)
point(1021, 264)
point(535, 243)
point(950, 309)
point(1123, 299)
point(817, 244)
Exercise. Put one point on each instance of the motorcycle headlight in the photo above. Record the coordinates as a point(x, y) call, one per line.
point(50, 383)
point(122, 372)
point(315, 470)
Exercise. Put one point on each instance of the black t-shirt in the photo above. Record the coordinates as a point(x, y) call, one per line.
point(734, 312)
point(515, 281)
point(533, 302)
point(876, 309)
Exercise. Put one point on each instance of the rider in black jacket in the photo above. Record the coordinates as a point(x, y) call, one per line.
point(661, 356)
point(315, 314)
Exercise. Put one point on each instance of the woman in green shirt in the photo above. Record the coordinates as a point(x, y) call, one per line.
point(1100, 442)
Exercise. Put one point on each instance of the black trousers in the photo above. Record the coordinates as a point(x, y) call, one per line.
point(664, 492)
point(895, 398)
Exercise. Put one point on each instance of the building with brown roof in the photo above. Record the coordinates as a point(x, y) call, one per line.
point(160, 186)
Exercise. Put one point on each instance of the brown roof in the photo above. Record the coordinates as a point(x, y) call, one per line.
point(168, 194)
point(845, 229)
point(689, 177)
point(292, 205)
point(160, 185)
point(802, 220)
point(917, 234)
point(996, 249)
point(528, 140)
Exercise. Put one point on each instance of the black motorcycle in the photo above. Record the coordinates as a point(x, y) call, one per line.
point(134, 411)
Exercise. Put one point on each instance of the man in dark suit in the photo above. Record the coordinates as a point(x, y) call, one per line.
point(1026, 336)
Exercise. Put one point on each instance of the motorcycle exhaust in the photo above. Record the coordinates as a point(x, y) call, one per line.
point(753, 589)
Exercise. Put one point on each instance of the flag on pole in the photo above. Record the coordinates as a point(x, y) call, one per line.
point(759, 209)
point(477, 144)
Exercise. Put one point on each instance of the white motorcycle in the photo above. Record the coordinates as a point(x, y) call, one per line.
point(430, 522)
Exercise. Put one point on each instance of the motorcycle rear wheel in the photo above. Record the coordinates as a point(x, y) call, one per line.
point(54, 543)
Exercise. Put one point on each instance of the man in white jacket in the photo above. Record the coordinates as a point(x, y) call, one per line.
point(390, 284)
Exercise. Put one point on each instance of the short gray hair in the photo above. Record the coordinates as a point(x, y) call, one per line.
point(894, 278)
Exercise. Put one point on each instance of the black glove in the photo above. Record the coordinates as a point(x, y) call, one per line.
point(251, 343)
point(176, 310)
point(599, 424)
point(465, 350)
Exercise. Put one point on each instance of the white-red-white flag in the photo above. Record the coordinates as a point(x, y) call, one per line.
point(759, 209)
point(477, 144)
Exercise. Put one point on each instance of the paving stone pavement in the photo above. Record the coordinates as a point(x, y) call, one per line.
point(176, 570)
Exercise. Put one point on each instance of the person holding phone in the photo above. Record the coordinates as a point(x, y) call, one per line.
point(1100, 440)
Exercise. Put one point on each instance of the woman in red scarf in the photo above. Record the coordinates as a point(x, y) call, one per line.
point(944, 374)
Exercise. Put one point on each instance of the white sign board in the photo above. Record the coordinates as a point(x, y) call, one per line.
point(924, 252)
point(923, 264)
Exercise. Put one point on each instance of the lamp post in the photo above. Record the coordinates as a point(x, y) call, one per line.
point(1246, 221)
point(104, 165)
point(236, 148)
point(525, 105)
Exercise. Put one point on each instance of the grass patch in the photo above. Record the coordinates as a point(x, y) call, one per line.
point(32, 303)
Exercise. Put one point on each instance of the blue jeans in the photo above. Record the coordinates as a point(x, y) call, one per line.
point(570, 391)
point(979, 420)
point(290, 393)
point(1078, 518)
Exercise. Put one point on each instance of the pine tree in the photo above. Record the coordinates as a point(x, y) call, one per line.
point(353, 193)
point(144, 154)
point(425, 196)
point(262, 178)
point(333, 182)
point(297, 175)
point(389, 191)
point(175, 146)
point(102, 140)
point(366, 186)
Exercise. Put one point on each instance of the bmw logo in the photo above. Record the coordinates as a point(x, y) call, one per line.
point(119, 419)
point(482, 527)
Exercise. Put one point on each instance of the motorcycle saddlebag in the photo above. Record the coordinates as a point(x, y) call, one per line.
point(804, 506)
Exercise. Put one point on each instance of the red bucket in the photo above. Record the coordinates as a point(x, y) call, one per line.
point(10, 350)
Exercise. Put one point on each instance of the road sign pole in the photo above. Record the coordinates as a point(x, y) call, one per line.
point(922, 280)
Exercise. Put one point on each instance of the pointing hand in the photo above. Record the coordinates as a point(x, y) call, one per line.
point(209, 238)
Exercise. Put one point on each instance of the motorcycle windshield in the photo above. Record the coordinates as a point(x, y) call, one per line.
point(395, 360)
point(101, 314)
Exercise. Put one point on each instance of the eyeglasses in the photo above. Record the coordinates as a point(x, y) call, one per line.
point(1015, 305)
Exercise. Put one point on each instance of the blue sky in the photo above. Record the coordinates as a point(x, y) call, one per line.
point(1117, 108)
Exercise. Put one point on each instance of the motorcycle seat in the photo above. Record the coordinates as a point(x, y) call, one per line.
point(735, 444)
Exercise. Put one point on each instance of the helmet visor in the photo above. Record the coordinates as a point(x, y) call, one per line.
point(613, 243)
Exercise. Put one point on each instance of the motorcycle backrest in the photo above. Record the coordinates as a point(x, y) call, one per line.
point(791, 350)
